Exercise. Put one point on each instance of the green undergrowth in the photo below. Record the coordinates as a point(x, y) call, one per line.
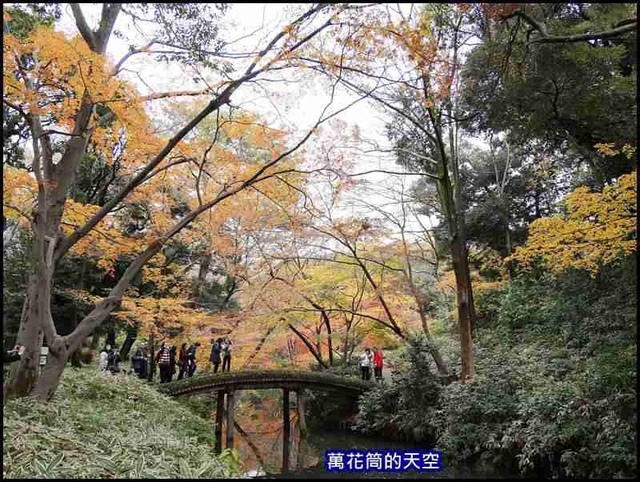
point(99, 426)
point(554, 392)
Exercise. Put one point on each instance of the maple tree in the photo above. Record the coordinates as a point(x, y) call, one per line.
point(68, 93)
point(409, 64)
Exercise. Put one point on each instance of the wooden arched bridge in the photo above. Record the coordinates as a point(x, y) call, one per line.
point(226, 383)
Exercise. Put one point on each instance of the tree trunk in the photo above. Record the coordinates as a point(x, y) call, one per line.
point(327, 323)
point(49, 378)
point(345, 345)
point(318, 343)
point(508, 239)
point(30, 335)
point(466, 312)
point(132, 334)
point(449, 194)
point(205, 262)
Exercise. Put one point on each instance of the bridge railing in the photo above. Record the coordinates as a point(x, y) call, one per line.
point(247, 379)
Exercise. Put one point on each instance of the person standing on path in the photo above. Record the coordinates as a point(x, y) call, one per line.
point(365, 365)
point(183, 361)
point(225, 350)
point(139, 360)
point(191, 355)
point(163, 358)
point(214, 358)
point(378, 363)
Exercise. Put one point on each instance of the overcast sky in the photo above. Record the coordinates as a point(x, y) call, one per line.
point(298, 104)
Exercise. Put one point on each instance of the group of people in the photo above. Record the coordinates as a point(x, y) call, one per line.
point(221, 352)
point(185, 361)
point(369, 359)
point(109, 360)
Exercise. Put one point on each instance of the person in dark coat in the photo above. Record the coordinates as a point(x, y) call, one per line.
point(139, 360)
point(183, 361)
point(214, 358)
point(172, 361)
point(191, 354)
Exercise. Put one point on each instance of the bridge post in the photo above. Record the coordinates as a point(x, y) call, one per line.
point(219, 417)
point(286, 431)
point(300, 403)
point(230, 406)
point(301, 429)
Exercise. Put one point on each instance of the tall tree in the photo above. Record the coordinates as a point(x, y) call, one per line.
point(409, 63)
point(60, 96)
point(563, 74)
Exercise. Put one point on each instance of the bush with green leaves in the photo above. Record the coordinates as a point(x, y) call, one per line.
point(101, 426)
point(407, 405)
point(554, 391)
point(555, 387)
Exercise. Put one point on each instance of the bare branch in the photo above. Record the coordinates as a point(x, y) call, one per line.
point(628, 25)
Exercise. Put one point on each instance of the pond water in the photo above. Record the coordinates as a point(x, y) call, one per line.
point(260, 446)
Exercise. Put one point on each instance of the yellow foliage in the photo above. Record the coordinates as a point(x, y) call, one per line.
point(65, 73)
point(19, 193)
point(609, 149)
point(596, 229)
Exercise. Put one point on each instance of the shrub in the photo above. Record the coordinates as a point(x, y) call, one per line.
point(542, 407)
point(407, 405)
point(554, 392)
point(99, 426)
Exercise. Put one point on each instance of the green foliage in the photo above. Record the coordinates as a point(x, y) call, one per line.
point(568, 95)
point(108, 427)
point(554, 392)
point(202, 405)
point(191, 25)
point(26, 17)
point(408, 404)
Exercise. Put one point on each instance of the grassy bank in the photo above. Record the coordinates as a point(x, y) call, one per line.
point(98, 426)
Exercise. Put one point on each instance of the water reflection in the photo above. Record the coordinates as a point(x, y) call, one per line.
point(259, 434)
point(258, 438)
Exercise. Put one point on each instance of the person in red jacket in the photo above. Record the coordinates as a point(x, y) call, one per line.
point(378, 363)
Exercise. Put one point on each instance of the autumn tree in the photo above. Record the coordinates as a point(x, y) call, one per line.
point(62, 89)
point(594, 230)
point(409, 64)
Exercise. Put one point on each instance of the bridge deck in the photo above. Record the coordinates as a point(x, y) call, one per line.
point(262, 379)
